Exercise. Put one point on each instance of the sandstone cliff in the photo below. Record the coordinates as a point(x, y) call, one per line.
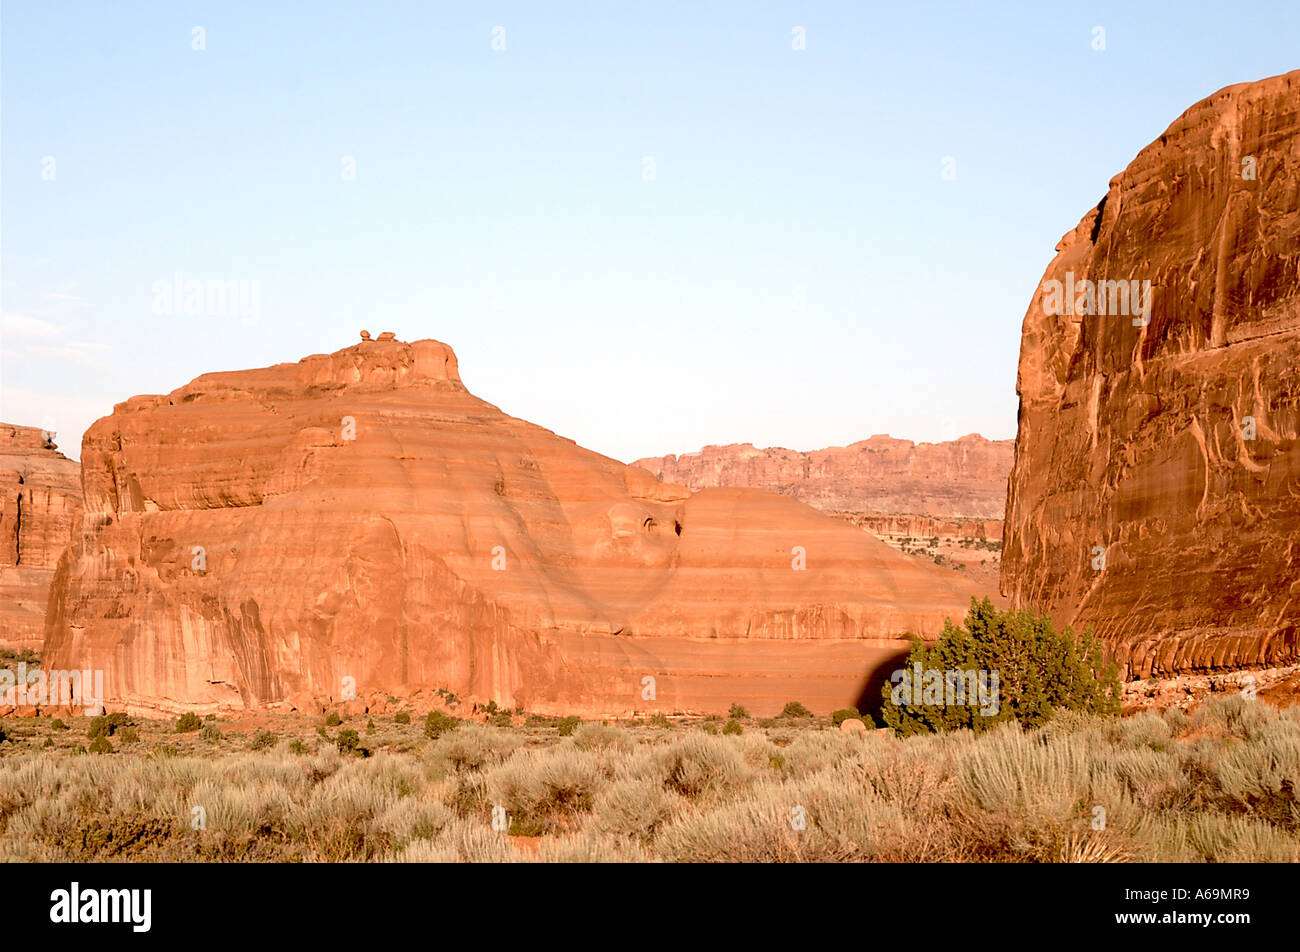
point(965, 477)
point(40, 498)
point(1155, 494)
point(359, 519)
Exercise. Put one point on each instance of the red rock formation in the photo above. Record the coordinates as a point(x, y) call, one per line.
point(40, 497)
point(268, 534)
point(1167, 442)
point(965, 477)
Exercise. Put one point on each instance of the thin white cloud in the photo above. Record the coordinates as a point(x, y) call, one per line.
point(25, 327)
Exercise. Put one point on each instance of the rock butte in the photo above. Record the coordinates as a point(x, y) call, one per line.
point(40, 498)
point(1136, 438)
point(258, 537)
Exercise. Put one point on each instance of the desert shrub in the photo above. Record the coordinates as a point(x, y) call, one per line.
point(845, 714)
point(460, 841)
point(659, 719)
point(1177, 720)
point(474, 746)
point(99, 727)
point(118, 719)
point(100, 745)
point(264, 740)
point(732, 727)
point(501, 719)
point(58, 724)
point(370, 726)
point(567, 725)
point(437, 723)
point(635, 807)
point(737, 712)
point(1038, 671)
point(411, 818)
point(1234, 715)
point(210, 733)
point(402, 717)
point(542, 791)
point(698, 764)
point(600, 737)
point(332, 719)
point(298, 747)
point(795, 709)
point(128, 735)
point(1145, 730)
point(189, 721)
point(710, 728)
point(349, 741)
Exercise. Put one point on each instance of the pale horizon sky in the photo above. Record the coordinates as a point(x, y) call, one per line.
point(648, 227)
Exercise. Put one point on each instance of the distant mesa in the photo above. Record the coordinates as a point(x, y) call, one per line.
point(959, 479)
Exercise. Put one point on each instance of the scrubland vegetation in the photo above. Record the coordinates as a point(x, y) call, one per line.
point(1217, 786)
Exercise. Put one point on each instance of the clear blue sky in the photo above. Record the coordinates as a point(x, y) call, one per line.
point(500, 202)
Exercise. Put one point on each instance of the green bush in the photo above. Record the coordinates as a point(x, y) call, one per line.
point(438, 723)
point(1038, 671)
point(189, 721)
point(264, 740)
point(348, 741)
point(99, 727)
point(660, 720)
point(298, 747)
point(210, 733)
point(100, 745)
point(795, 709)
point(58, 724)
point(370, 726)
point(332, 719)
point(732, 727)
point(501, 719)
point(845, 714)
point(567, 725)
point(128, 735)
point(402, 717)
point(737, 712)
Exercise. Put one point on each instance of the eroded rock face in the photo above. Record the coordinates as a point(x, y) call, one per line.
point(40, 498)
point(965, 477)
point(1167, 442)
point(268, 534)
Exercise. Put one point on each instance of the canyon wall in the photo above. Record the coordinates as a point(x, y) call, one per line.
point(1155, 495)
point(360, 521)
point(40, 499)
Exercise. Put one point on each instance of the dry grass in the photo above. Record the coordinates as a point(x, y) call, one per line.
point(1219, 786)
